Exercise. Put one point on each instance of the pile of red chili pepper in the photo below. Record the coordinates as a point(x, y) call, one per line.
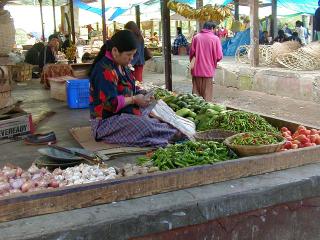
point(256, 138)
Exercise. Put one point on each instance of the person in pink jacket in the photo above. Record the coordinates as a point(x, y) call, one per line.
point(205, 53)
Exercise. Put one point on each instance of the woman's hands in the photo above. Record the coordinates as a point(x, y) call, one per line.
point(141, 100)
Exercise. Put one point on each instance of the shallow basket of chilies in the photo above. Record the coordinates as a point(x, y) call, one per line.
point(251, 150)
point(213, 135)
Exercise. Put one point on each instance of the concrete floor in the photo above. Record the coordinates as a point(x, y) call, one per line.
point(36, 99)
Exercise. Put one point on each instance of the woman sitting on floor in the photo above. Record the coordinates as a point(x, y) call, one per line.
point(119, 112)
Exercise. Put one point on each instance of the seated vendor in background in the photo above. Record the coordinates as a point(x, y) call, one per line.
point(281, 37)
point(49, 52)
point(119, 112)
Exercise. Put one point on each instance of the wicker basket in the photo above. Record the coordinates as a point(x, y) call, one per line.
point(213, 135)
point(7, 33)
point(22, 72)
point(306, 58)
point(250, 150)
point(5, 88)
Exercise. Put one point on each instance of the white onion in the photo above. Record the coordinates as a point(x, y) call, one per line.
point(33, 169)
point(27, 186)
point(4, 187)
point(17, 183)
point(9, 173)
point(19, 171)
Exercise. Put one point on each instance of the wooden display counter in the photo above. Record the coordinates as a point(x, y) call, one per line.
point(80, 196)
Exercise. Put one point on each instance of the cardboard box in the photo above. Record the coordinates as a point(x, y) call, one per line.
point(15, 124)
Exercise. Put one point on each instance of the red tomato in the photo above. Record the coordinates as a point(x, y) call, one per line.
point(303, 131)
point(285, 134)
point(289, 138)
point(317, 141)
point(288, 145)
point(294, 146)
point(284, 129)
point(301, 138)
point(317, 135)
point(295, 135)
point(296, 142)
point(305, 141)
point(313, 131)
point(289, 132)
point(301, 127)
point(313, 144)
point(313, 138)
point(308, 145)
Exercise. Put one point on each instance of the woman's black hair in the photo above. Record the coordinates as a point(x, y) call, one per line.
point(123, 40)
point(132, 26)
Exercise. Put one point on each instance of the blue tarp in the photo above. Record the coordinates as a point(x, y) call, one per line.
point(84, 6)
point(116, 11)
point(299, 6)
point(230, 46)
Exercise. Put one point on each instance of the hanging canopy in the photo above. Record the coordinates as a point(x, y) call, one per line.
point(287, 7)
point(116, 8)
point(113, 8)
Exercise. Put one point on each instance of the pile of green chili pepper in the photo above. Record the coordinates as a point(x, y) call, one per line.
point(239, 121)
point(189, 154)
point(257, 138)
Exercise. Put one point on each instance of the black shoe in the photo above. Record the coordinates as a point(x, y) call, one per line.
point(40, 139)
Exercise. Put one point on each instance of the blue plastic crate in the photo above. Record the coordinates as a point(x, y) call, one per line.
point(78, 93)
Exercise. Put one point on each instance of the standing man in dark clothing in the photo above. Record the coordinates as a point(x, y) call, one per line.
point(48, 53)
point(317, 22)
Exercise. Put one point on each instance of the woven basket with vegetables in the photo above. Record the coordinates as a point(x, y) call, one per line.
point(249, 144)
point(213, 135)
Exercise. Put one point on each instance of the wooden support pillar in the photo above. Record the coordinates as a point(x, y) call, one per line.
point(103, 16)
point(138, 15)
point(152, 27)
point(73, 31)
point(189, 26)
point(236, 10)
point(62, 23)
point(180, 24)
point(254, 33)
point(166, 43)
point(160, 30)
point(54, 16)
point(42, 23)
point(313, 28)
point(274, 22)
point(199, 4)
point(114, 27)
